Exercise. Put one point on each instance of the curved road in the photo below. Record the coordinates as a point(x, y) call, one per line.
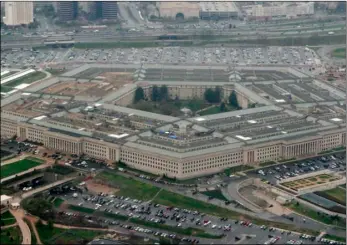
point(26, 234)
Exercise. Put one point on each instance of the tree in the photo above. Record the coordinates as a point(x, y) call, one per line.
point(209, 94)
point(50, 224)
point(163, 93)
point(139, 94)
point(233, 99)
point(155, 93)
point(217, 95)
point(222, 107)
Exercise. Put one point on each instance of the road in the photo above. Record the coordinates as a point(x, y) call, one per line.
point(26, 234)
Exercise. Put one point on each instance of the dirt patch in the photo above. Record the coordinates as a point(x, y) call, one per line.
point(118, 79)
point(97, 187)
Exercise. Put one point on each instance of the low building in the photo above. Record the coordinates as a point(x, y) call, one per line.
point(280, 11)
point(179, 10)
point(218, 10)
point(6, 200)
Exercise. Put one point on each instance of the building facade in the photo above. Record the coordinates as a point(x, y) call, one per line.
point(18, 13)
point(67, 11)
point(180, 166)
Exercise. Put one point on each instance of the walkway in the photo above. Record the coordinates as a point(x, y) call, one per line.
point(26, 234)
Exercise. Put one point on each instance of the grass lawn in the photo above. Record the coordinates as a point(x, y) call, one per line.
point(18, 167)
point(81, 209)
point(7, 219)
point(5, 89)
point(130, 187)
point(217, 194)
point(339, 53)
point(307, 211)
point(30, 78)
point(57, 202)
point(263, 164)
point(62, 170)
point(64, 236)
point(216, 110)
point(337, 194)
point(11, 235)
point(334, 238)
point(236, 169)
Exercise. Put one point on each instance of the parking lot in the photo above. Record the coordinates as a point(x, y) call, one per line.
point(336, 162)
point(172, 216)
point(167, 55)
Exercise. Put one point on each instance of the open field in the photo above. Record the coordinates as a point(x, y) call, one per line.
point(339, 53)
point(217, 194)
point(334, 238)
point(130, 187)
point(18, 167)
point(55, 235)
point(337, 194)
point(310, 181)
point(30, 78)
point(7, 219)
point(11, 235)
point(321, 217)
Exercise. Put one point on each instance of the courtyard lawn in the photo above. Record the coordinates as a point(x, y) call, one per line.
point(11, 235)
point(130, 187)
point(18, 167)
point(337, 194)
point(217, 194)
point(339, 53)
point(321, 217)
point(7, 219)
point(65, 236)
point(30, 78)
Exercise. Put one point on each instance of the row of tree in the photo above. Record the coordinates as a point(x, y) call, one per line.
point(215, 96)
point(158, 94)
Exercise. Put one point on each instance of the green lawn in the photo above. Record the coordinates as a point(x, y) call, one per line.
point(7, 219)
point(215, 110)
point(62, 170)
point(307, 211)
point(57, 202)
point(81, 209)
point(11, 235)
point(334, 238)
point(339, 53)
point(30, 78)
point(5, 89)
point(64, 236)
point(263, 164)
point(337, 194)
point(130, 187)
point(236, 169)
point(18, 167)
point(215, 194)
